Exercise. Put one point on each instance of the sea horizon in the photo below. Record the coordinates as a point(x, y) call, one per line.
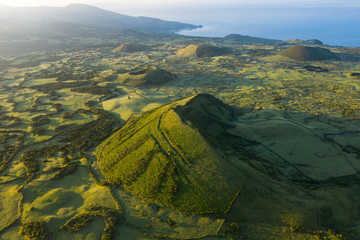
point(337, 27)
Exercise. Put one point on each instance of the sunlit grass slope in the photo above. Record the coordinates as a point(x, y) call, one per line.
point(167, 155)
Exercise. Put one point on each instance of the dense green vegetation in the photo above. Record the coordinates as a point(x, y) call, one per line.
point(35, 231)
point(315, 68)
point(68, 169)
point(92, 90)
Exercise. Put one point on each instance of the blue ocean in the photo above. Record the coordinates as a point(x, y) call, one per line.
point(333, 26)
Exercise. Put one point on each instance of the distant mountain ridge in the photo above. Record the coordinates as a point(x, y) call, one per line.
point(77, 19)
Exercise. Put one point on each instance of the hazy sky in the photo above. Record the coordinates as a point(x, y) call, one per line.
point(333, 21)
point(169, 3)
point(185, 10)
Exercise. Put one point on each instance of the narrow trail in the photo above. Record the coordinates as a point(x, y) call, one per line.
point(276, 119)
point(316, 132)
point(342, 133)
point(141, 95)
point(346, 158)
point(301, 125)
point(185, 162)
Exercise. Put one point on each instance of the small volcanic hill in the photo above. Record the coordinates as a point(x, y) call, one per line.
point(202, 51)
point(355, 75)
point(166, 155)
point(304, 53)
point(148, 76)
point(130, 48)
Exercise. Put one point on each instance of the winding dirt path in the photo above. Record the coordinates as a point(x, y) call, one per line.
point(317, 133)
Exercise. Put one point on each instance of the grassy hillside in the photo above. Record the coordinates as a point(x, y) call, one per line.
point(163, 157)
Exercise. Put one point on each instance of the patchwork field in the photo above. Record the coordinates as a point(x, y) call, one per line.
point(281, 160)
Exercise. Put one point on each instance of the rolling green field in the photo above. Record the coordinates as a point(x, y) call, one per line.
point(247, 144)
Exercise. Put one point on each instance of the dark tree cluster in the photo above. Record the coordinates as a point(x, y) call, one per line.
point(87, 135)
point(92, 90)
point(62, 127)
point(81, 220)
point(315, 68)
point(35, 231)
point(68, 169)
point(39, 120)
